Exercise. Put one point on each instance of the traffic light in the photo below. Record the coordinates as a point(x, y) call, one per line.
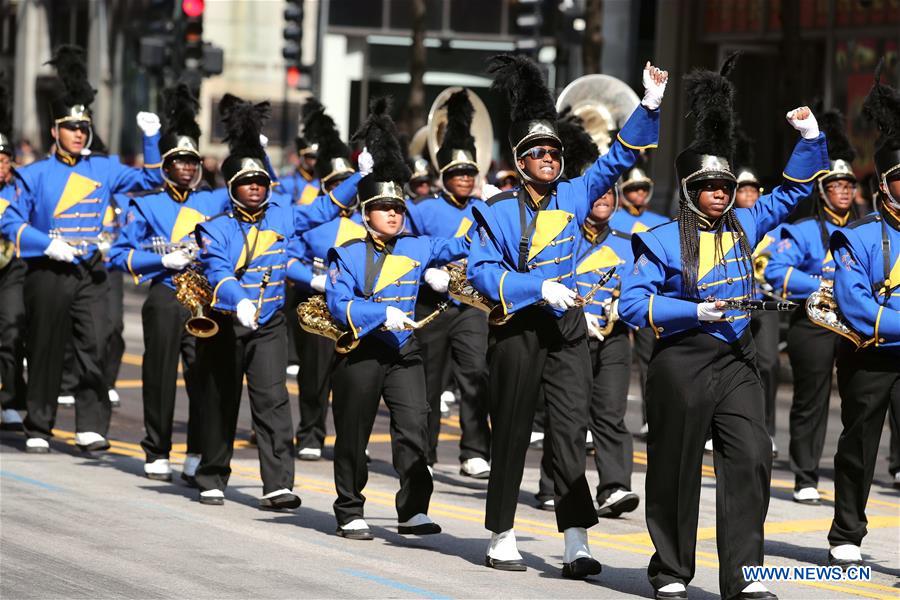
point(293, 34)
point(192, 33)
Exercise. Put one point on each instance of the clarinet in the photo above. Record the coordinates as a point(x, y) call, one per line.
point(754, 305)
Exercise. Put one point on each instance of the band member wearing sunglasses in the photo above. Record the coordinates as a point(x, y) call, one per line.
point(523, 258)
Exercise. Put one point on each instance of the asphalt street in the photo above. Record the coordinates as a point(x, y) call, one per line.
point(80, 527)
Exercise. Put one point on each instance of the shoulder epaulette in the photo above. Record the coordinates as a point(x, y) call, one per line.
point(142, 193)
point(502, 196)
point(870, 218)
point(226, 213)
point(655, 227)
point(349, 243)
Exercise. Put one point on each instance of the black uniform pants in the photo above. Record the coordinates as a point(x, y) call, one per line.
point(538, 352)
point(613, 451)
point(697, 383)
point(314, 380)
point(811, 350)
point(165, 340)
point(458, 337)
point(644, 342)
point(115, 344)
point(764, 327)
point(291, 299)
point(894, 457)
point(66, 303)
point(12, 335)
point(225, 358)
point(868, 381)
point(361, 378)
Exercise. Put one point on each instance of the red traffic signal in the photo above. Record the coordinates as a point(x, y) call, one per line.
point(193, 8)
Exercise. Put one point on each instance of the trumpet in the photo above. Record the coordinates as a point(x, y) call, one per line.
point(315, 318)
point(193, 291)
point(159, 245)
point(81, 244)
point(822, 309)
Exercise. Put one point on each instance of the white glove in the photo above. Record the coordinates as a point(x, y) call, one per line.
point(488, 190)
point(808, 127)
point(148, 122)
point(396, 320)
point(263, 140)
point(593, 326)
point(318, 282)
point(654, 88)
point(366, 162)
point(176, 260)
point(708, 311)
point(246, 313)
point(557, 295)
point(438, 279)
point(61, 251)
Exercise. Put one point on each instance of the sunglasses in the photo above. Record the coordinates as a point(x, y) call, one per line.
point(397, 207)
point(537, 153)
point(76, 126)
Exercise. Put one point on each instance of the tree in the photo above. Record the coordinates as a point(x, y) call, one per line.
point(592, 48)
point(414, 114)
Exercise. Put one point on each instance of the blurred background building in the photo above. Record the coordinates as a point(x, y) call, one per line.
point(347, 51)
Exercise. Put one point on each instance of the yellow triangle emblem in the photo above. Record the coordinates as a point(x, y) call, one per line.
point(348, 230)
point(463, 227)
point(638, 227)
point(603, 258)
point(394, 267)
point(265, 240)
point(78, 187)
point(185, 223)
point(708, 251)
point(109, 217)
point(308, 194)
point(3, 205)
point(763, 244)
point(895, 273)
point(550, 223)
point(828, 258)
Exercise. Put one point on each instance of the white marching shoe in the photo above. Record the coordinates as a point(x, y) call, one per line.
point(90, 441)
point(293, 370)
point(476, 468)
point(309, 453)
point(159, 470)
point(66, 400)
point(672, 590)
point(418, 524)
point(577, 560)
point(845, 555)
point(114, 399)
point(212, 497)
point(37, 446)
point(807, 495)
point(189, 468)
point(503, 554)
point(620, 501)
point(708, 446)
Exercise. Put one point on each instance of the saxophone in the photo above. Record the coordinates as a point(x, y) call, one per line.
point(823, 310)
point(192, 290)
point(611, 311)
point(315, 318)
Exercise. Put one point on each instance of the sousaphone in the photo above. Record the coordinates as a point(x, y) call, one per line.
point(418, 142)
point(603, 103)
point(482, 130)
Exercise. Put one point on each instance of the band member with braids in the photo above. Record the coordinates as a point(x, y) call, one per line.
point(371, 291)
point(244, 254)
point(598, 249)
point(459, 335)
point(867, 291)
point(56, 227)
point(12, 278)
point(317, 353)
point(702, 374)
point(798, 265)
point(156, 243)
point(523, 258)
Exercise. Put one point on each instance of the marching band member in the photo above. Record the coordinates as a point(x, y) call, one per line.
point(155, 244)
point(419, 185)
point(371, 291)
point(867, 258)
point(317, 353)
point(55, 227)
point(244, 254)
point(523, 259)
point(702, 374)
point(799, 263)
point(460, 334)
point(303, 185)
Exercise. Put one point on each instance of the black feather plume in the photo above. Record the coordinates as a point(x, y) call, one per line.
point(580, 150)
point(320, 129)
point(710, 96)
point(180, 108)
point(458, 135)
point(71, 69)
point(5, 107)
point(834, 126)
point(379, 134)
point(243, 123)
point(882, 106)
point(523, 83)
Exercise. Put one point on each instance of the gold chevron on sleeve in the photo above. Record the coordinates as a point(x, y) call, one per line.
point(348, 230)
point(266, 238)
point(187, 220)
point(638, 227)
point(603, 258)
point(550, 223)
point(463, 227)
point(395, 266)
point(763, 244)
point(708, 251)
point(309, 194)
point(78, 187)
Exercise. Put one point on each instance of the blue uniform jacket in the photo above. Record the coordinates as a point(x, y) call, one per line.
point(313, 247)
point(652, 295)
point(860, 282)
point(10, 193)
point(595, 256)
point(800, 260)
point(299, 188)
point(72, 199)
point(395, 283)
point(158, 215)
point(493, 266)
point(623, 220)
